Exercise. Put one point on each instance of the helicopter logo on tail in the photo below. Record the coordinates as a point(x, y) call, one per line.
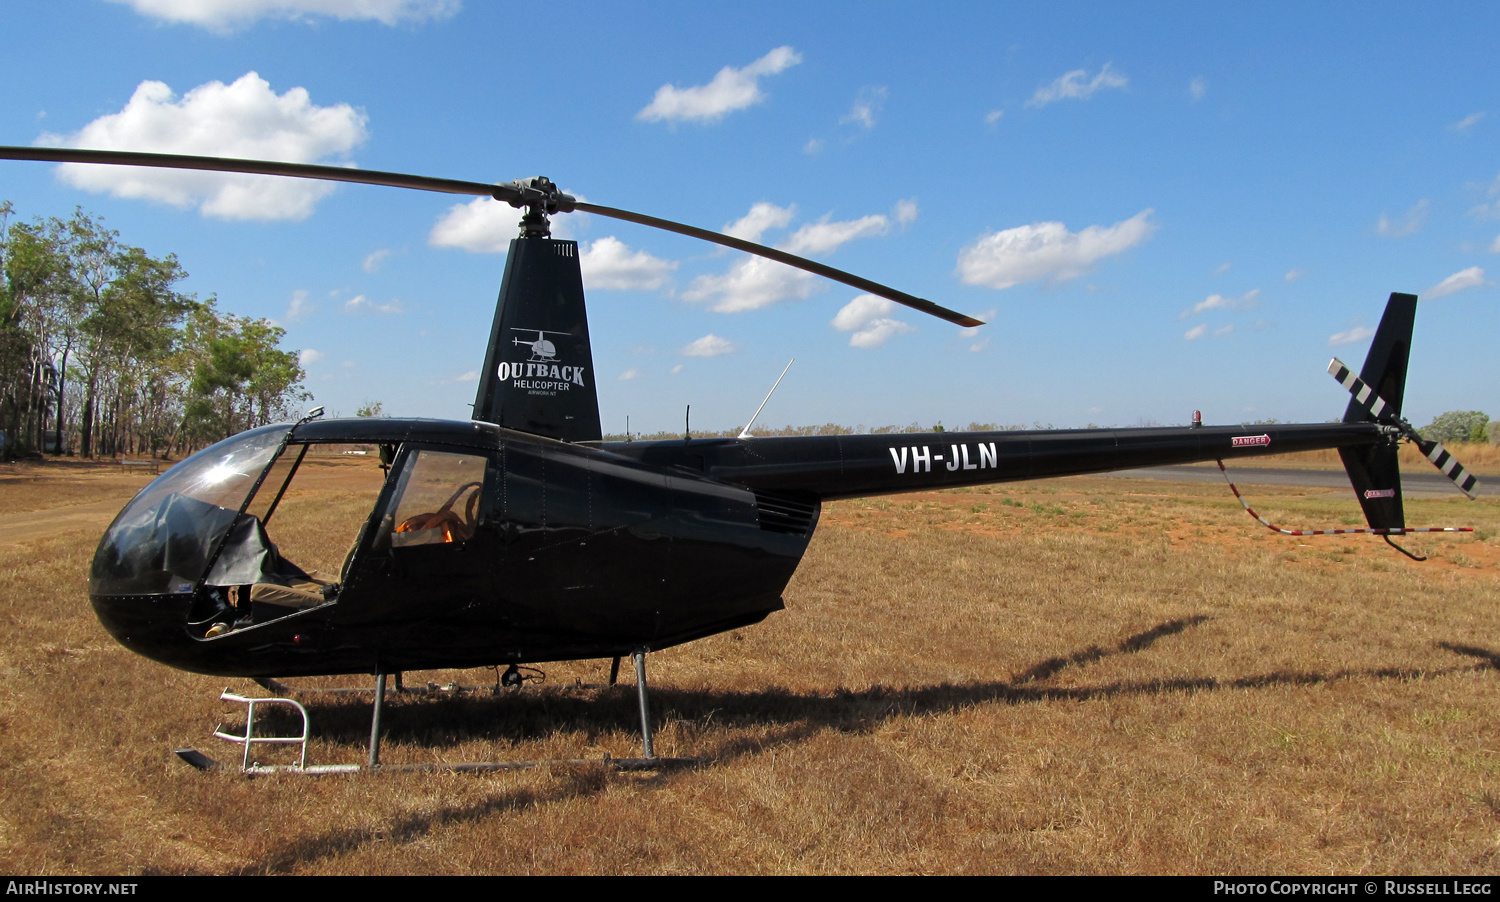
point(540, 374)
point(542, 350)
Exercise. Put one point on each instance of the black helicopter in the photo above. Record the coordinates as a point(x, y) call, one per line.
point(523, 537)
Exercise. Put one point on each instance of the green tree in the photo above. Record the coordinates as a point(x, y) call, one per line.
point(84, 316)
point(1456, 426)
point(140, 327)
point(35, 269)
point(241, 378)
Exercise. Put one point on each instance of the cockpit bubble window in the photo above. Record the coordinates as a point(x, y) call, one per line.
point(437, 501)
point(161, 542)
point(221, 474)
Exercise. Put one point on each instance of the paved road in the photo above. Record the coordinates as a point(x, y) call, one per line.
point(17, 529)
point(1433, 483)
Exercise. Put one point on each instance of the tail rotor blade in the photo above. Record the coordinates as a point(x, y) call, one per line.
point(1362, 392)
point(1364, 395)
point(1449, 466)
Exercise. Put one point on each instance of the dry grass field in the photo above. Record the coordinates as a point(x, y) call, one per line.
point(1083, 675)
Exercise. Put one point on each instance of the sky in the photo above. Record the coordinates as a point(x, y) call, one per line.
point(1156, 208)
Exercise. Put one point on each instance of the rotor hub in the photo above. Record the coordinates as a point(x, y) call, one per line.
point(541, 198)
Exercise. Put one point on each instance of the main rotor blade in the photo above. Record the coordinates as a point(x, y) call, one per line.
point(771, 253)
point(510, 193)
point(258, 167)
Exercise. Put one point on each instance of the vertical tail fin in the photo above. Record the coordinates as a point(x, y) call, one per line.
point(1373, 469)
point(538, 374)
point(1385, 365)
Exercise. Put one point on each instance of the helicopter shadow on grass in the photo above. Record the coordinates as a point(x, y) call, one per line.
point(296, 854)
point(416, 719)
point(795, 716)
point(780, 716)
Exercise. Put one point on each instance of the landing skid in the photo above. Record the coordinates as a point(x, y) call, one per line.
point(647, 762)
point(202, 762)
point(511, 679)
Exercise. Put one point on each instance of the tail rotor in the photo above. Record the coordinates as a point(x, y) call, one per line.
point(1378, 409)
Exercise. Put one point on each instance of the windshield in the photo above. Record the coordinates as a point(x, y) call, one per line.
point(161, 541)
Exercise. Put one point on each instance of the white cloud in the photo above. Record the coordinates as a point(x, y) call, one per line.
point(1222, 268)
point(481, 226)
point(1074, 85)
point(750, 284)
point(732, 89)
point(1046, 250)
point(1407, 225)
point(307, 356)
point(906, 211)
point(813, 146)
point(762, 216)
point(708, 346)
point(755, 282)
point(1201, 330)
point(877, 332)
point(375, 260)
point(1486, 209)
point(1197, 88)
point(868, 317)
point(299, 306)
point(1354, 333)
point(1223, 302)
point(628, 375)
point(978, 346)
point(1468, 121)
point(867, 105)
point(1495, 245)
point(226, 15)
point(1472, 277)
point(1293, 275)
point(361, 304)
point(824, 237)
point(608, 265)
point(992, 118)
point(470, 376)
point(676, 369)
point(244, 119)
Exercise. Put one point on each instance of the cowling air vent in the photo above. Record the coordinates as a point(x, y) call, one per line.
point(789, 514)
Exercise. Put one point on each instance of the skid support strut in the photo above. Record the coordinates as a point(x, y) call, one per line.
point(641, 694)
point(375, 719)
point(647, 762)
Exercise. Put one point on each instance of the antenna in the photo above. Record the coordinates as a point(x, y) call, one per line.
point(745, 433)
point(687, 424)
